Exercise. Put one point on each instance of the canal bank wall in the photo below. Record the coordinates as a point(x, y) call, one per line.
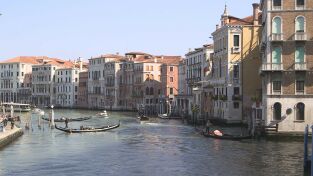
point(9, 135)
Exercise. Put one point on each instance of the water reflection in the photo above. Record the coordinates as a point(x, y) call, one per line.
point(160, 148)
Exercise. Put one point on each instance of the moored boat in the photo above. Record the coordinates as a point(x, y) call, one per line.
point(103, 114)
point(69, 119)
point(87, 129)
point(226, 136)
point(143, 118)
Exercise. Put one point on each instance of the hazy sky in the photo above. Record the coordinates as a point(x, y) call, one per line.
point(69, 29)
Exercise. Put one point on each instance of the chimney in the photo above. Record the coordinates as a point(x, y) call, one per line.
point(217, 26)
point(256, 10)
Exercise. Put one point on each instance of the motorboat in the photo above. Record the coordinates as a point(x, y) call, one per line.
point(103, 114)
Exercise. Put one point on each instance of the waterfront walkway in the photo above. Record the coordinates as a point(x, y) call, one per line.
point(9, 135)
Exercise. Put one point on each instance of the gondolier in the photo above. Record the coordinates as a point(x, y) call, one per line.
point(66, 122)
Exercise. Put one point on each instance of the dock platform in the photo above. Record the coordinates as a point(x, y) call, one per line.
point(9, 135)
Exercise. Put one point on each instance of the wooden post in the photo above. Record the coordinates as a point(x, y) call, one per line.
point(306, 131)
point(312, 154)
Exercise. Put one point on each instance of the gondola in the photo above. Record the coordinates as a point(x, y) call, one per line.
point(143, 118)
point(226, 136)
point(70, 119)
point(88, 129)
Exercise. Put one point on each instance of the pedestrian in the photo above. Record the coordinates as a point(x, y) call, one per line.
point(12, 123)
point(66, 122)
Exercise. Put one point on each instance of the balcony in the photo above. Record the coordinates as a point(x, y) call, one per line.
point(300, 66)
point(277, 37)
point(236, 49)
point(271, 67)
point(277, 7)
point(236, 97)
point(300, 36)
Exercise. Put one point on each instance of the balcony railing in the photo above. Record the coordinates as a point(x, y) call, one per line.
point(272, 67)
point(300, 36)
point(277, 7)
point(301, 66)
point(277, 37)
point(236, 97)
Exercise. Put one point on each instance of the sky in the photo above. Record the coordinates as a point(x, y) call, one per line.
point(68, 29)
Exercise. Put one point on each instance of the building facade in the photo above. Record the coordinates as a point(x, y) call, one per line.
point(82, 100)
point(287, 63)
point(198, 64)
point(235, 79)
point(15, 80)
point(97, 95)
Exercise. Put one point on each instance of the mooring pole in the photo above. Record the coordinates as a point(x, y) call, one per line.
point(305, 161)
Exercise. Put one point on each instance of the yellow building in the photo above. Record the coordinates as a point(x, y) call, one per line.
point(235, 78)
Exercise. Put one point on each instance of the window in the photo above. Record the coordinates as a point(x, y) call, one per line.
point(151, 68)
point(277, 111)
point(276, 26)
point(171, 79)
point(171, 91)
point(236, 71)
point(300, 86)
point(236, 90)
point(276, 56)
point(151, 91)
point(300, 4)
point(236, 105)
point(22, 73)
point(300, 24)
point(236, 40)
point(277, 86)
point(171, 69)
point(300, 110)
point(300, 83)
point(147, 91)
point(277, 4)
point(299, 54)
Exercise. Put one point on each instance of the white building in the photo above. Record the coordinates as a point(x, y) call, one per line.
point(198, 63)
point(66, 87)
point(15, 79)
point(97, 82)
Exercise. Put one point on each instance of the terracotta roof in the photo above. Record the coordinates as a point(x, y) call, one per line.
point(43, 60)
point(159, 59)
point(244, 21)
point(137, 53)
point(24, 59)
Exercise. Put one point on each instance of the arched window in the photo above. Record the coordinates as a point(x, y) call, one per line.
point(276, 26)
point(147, 91)
point(151, 91)
point(277, 111)
point(300, 21)
point(300, 111)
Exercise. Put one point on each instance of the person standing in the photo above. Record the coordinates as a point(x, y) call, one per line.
point(66, 122)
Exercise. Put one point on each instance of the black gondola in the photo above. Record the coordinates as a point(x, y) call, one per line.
point(70, 119)
point(143, 118)
point(226, 136)
point(88, 129)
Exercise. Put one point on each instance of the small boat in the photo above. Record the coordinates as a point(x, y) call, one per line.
point(143, 118)
point(88, 129)
point(226, 136)
point(70, 119)
point(103, 114)
point(164, 116)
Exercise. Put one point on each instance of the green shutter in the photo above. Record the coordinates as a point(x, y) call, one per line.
point(276, 55)
point(300, 24)
point(276, 27)
point(299, 55)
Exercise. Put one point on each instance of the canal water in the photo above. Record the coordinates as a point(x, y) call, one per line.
point(162, 147)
